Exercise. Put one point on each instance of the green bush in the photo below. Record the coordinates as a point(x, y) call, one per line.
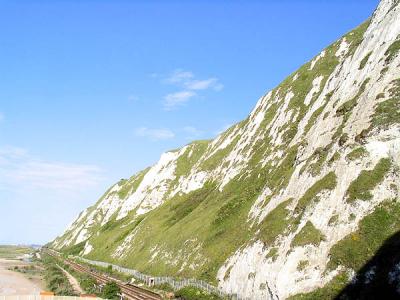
point(55, 279)
point(192, 293)
point(88, 284)
point(111, 291)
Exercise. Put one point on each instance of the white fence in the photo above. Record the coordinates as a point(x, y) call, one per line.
point(174, 283)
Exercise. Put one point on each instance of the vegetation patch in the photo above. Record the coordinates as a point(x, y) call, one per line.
point(392, 51)
point(275, 223)
point(361, 187)
point(213, 161)
point(302, 265)
point(75, 249)
point(308, 235)
point(388, 112)
point(357, 153)
point(56, 280)
point(333, 220)
point(357, 248)
point(329, 291)
point(188, 159)
point(346, 108)
point(313, 118)
point(13, 252)
point(188, 203)
point(321, 155)
point(205, 227)
point(272, 253)
point(282, 173)
point(328, 182)
point(130, 186)
point(335, 157)
point(355, 37)
point(192, 293)
point(111, 291)
point(364, 61)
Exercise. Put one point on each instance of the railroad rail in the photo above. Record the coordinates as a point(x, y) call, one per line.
point(129, 291)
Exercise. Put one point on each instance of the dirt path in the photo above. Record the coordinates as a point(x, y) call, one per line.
point(14, 283)
point(72, 280)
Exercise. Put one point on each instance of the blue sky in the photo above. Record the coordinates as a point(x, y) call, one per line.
point(93, 91)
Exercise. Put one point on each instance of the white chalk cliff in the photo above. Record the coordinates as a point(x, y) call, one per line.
point(268, 209)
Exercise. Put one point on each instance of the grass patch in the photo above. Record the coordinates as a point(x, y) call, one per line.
point(329, 291)
point(321, 155)
point(333, 220)
point(75, 249)
point(361, 187)
point(388, 112)
point(129, 186)
point(308, 235)
point(335, 157)
point(282, 173)
point(392, 51)
point(346, 108)
point(328, 182)
point(272, 253)
point(356, 36)
point(364, 61)
point(13, 252)
point(188, 203)
point(357, 153)
point(193, 153)
point(357, 248)
point(213, 161)
point(275, 223)
point(302, 265)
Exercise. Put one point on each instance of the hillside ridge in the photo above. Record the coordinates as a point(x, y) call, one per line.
point(283, 203)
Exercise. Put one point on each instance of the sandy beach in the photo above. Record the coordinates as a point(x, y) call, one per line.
point(14, 283)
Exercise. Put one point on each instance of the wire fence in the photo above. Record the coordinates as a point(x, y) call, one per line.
point(176, 284)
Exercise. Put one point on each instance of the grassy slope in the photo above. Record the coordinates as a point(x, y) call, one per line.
point(204, 227)
point(215, 220)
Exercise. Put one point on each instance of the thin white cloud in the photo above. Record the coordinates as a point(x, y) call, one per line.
point(154, 75)
point(192, 132)
point(20, 170)
point(133, 98)
point(179, 76)
point(211, 83)
point(176, 99)
point(190, 86)
point(154, 134)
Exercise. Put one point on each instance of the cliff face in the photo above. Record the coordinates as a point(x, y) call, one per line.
point(285, 202)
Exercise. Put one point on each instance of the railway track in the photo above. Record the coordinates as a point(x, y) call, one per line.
point(128, 290)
